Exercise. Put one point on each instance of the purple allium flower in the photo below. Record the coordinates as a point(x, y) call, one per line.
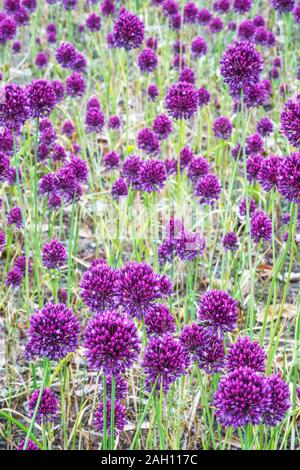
point(152, 175)
point(271, 39)
point(165, 360)
point(264, 127)
point(290, 121)
point(246, 30)
point(59, 90)
point(240, 66)
point(138, 287)
point(69, 4)
point(199, 47)
point(170, 166)
point(296, 13)
point(241, 398)
point(175, 21)
point(51, 37)
point(186, 156)
point(128, 30)
point(30, 446)
point(274, 73)
point(230, 241)
point(148, 141)
point(152, 43)
point(119, 188)
point(179, 47)
point(159, 320)
point(170, 7)
point(43, 152)
point(243, 208)
point(11, 6)
point(242, 6)
point(260, 227)
point(254, 144)
point(162, 126)
point(48, 407)
point(62, 295)
point(258, 21)
point(222, 128)
point(16, 47)
point(203, 97)
point(121, 387)
point(282, 6)
point(54, 201)
point(54, 255)
point(48, 183)
point(181, 101)
point(98, 287)
point(111, 341)
point(216, 25)
point(130, 170)
point(8, 28)
point(147, 60)
point(93, 22)
point(190, 246)
point(41, 98)
point(4, 167)
point(246, 353)
point(231, 26)
point(53, 332)
point(253, 165)
point(14, 278)
point(79, 168)
point(58, 153)
point(14, 217)
point(119, 417)
point(75, 85)
point(107, 7)
point(80, 63)
point(153, 92)
point(204, 16)
point(178, 62)
point(14, 110)
point(219, 310)
point(187, 75)
point(2, 240)
point(41, 60)
point(289, 178)
point(68, 128)
point(257, 94)
point(94, 120)
point(114, 122)
point(190, 13)
point(261, 36)
point(269, 172)
point(208, 188)
point(6, 141)
point(222, 6)
point(280, 403)
point(20, 264)
point(204, 346)
point(65, 54)
point(111, 160)
point(30, 5)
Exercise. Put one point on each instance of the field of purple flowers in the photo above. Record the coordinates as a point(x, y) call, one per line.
point(149, 226)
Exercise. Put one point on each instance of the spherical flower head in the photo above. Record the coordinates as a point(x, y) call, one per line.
point(222, 128)
point(253, 166)
point(14, 109)
point(111, 160)
point(190, 246)
point(203, 97)
point(75, 85)
point(138, 287)
point(175, 21)
point(147, 60)
point(240, 65)
point(258, 21)
point(186, 156)
point(6, 142)
point(152, 43)
point(119, 417)
point(54, 255)
point(93, 103)
point(162, 126)
point(2, 240)
point(128, 30)
point(16, 47)
point(199, 47)
point(93, 22)
point(114, 122)
point(112, 343)
point(59, 90)
point(289, 178)
point(48, 407)
point(181, 101)
point(222, 6)
point(148, 141)
point(261, 36)
point(246, 30)
point(121, 387)
point(219, 309)
point(14, 278)
point(20, 264)
point(14, 217)
point(170, 166)
point(69, 4)
point(152, 176)
point(243, 207)
point(290, 121)
point(165, 360)
point(296, 13)
point(68, 128)
point(30, 446)
point(58, 153)
point(11, 6)
point(230, 241)
point(153, 92)
point(216, 25)
point(269, 172)
point(130, 170)
point(208, 189)
point(53, 332)
point(159, 321)
point(190, 13)
point(30, 5)
point(242, 6)
point(246, 353)
point(119, 188)
point(178, 62)
point(41, 60)
point(98, 288)
point(260, 227)
point(170, 7)
point(282, 6)
point(41, 98)
point(179, 47)
point(4, 167)
point(254, 144)
point(107, 7)
point(65, 54)
point(94, 120)
point(48, 184)
point(280, 403)
point(204, 16)
point(257, 94)
point(8, 28)
point(80, 63)
point(241, 398)
point(264, 127)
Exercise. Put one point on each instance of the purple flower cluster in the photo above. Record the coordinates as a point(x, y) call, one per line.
point(98, 287)
point(219, 310)
point(48, 406)
point(181, 101)
point(260, 227)
point(128, 31)
point(159, 320)
point(54, 255)
point(290, 121)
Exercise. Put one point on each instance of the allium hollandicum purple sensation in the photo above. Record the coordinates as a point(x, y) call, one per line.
point(264, 127)
point(187, 75)
point(147, 140)
point(119, 417)
point(240, 66)
point(58, 153)
point(119, 188)
point(98, 287)
point(114, 122)
point(53, 332)
point(205, 347)
point(204, 16)
point(48, 407)
point(130, 170)
point(41, 98)
point(216, 25)
point(165, 360)
point(198, 47)
point(94, 120)
point(171, 166)
point(190, 13)
point(290, 121)
point(14, 107)
point(128, 31)
point(107, 7)
point(246, 353)
point(162, 126)
point(269, 172)
point(41, 60)
point(242, 6)
point(93, 22)
point(30, 446)
point(222, 128)
point(246, 30)
point(75, 85)
point(159, 320)
point(181, 100)
point(254, 144)
point(111, 342)
point(170, 7)
point(280, 403)
point(138, 287)
point(222, 6)
point(230, 241)
point(260, 227)
point(208, 189)
point(111, 160)
point(147, 60)
point(289, 178)
point(54, 255)
point(242, 397)
point(282, 6)
point(190, 246)
point(219, 310)
point(152, 175)
point(16, 47)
